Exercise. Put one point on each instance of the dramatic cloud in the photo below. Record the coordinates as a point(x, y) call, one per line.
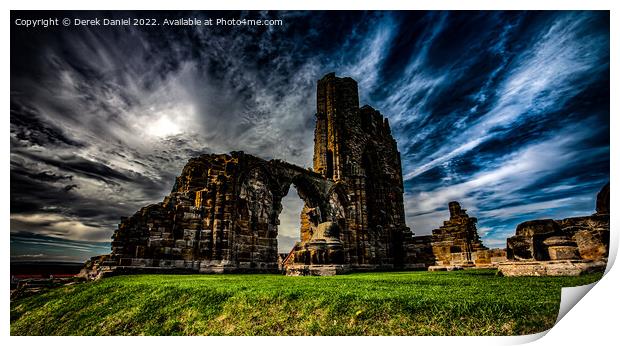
point(506, 112)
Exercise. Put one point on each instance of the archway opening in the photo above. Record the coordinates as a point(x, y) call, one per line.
point(290, 221)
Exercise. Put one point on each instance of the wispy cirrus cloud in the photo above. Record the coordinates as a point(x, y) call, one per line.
point(519, 132)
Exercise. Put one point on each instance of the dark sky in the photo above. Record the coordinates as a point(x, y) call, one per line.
point(506, 112)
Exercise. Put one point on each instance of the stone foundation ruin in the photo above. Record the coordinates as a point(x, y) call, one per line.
point(457, 245)
point(571, 246)
point(457, 239)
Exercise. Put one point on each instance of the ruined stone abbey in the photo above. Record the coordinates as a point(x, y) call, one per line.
point(222, 214)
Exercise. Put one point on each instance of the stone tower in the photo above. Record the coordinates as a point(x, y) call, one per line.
point(337, 117)
point(354, 146)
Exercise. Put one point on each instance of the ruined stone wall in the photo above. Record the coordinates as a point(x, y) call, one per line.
point(354, 146)
point(457, 241)
point(575, 238)
point(571, 246)
point(455, 244)
point(222, 214)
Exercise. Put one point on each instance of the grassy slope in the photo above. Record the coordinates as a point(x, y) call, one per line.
point(413, 303)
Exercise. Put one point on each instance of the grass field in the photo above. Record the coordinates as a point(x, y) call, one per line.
point(472, 302)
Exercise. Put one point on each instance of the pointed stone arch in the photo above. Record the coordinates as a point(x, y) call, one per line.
point(261, 189)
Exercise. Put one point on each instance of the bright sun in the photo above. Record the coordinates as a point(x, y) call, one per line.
point(163, 127)
point(169, 122)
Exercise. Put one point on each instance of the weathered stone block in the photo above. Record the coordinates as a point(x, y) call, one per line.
point(602, 201)
point(189, 234)
point(593, 244)
point(550, 268)
point(563, 252)
point(530, 228)
point(190, 216)
point(519, 247)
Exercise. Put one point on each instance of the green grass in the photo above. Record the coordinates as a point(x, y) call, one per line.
point(472, 302)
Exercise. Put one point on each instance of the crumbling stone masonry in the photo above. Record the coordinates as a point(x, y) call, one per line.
point(456, 244)
point(569, 246)
point(354, 147)
point(222, 213)
point(584, 237)
point(457, 239)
